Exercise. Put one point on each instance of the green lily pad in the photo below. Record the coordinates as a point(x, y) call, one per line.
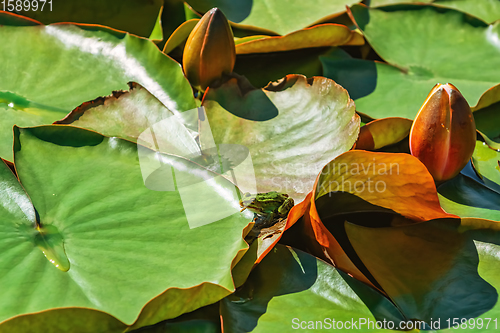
point(274, 15)
point(486, 10)
point(418, 58)
point(379, 3)
point(292, 128)
point(92, 203)
point(487, 121)
point(292, 290)
point(157, 33)
point(73, 65)
point(467, 197)
point(180, 35)
point(202, 320)
point(16, 110)
point(490, 143)
point(262, 68)
point(134, 16)
point(488, 270)
point(486, 162)
point(383, 132)
point(464, 210)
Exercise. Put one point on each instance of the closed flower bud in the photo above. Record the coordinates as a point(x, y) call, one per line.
point(209, 50)
point(443, 134)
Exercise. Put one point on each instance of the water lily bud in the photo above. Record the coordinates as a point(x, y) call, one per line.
point(209, 50)
point(443, 134)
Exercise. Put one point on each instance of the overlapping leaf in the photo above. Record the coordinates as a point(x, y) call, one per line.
point(421, 46)
point(383, 132)
point(262, 68)
point(134, 16)
point(180, 35)
point(292, 289)
point(397, 182)
point(91, 195)
point(379, 3)
point(73, 65)
point(128, 114)
point(423, 266)
point(429, 270)
point(292, 128)
point(486, 162)
point(323, 35)
point(471, 195)
point(487, 121)
point(486, 10)
point(272, 15)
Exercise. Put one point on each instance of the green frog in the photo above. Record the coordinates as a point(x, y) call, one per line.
point(271, 205)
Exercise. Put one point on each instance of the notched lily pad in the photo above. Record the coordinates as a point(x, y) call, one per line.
point(58, 78)
point(94, 208)
point(128, 114)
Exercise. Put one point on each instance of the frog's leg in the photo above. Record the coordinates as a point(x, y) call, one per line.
point(285, 207)
point(271, 218)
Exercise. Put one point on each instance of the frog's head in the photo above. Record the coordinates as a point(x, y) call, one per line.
point(247, 200)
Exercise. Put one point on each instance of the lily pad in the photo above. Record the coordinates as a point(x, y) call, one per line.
point(180, 35)
point(202, 320)
point(291, 289)
point(379, 3)
point(76, 64)
point(486, 162)
point(486, 10)
point(273, 15)
point(134, 16)
point(467, 197)
point(487, 121)
point(418, 58)
point(262, 68)
point(92, 204)
point(292, 128)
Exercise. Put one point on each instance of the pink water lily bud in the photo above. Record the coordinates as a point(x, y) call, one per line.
point(443, 134)
point(209, 50)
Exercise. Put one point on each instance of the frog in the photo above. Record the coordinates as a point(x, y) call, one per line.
point(271, 205)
